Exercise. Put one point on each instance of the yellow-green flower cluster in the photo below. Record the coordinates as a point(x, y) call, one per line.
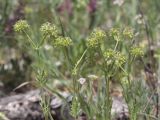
point(115, 34)
point(120, 59)
point(109, 54)
point(136, 51)
point(98, 34)
point(21, 25)
point(128, 33)
point(49, 29)
point(92, 42)
point(116, 57)
point(63, 41)
point(96, 37)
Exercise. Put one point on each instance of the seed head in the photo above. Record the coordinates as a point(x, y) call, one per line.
point(21, 25)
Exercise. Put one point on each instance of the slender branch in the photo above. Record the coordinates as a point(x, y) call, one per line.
point(30, 40)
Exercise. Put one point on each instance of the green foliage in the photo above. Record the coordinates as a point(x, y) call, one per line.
point(75, 108)
point(111, 61)
point(45, 105)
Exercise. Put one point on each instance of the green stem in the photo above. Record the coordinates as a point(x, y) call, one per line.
point(129, 70)
point(75, 68)
point(108, 102)
point(30, 40)
point(66, 53)
point(116, 45)
point(78, 62)
point(129, 82)
point(42, 40)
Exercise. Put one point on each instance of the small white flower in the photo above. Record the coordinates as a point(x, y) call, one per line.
point(8, 66)
point(47, 47)
point(58, 63)
point(93, 77)
point(118, 2)
point(82, 81)
point(139, 19)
